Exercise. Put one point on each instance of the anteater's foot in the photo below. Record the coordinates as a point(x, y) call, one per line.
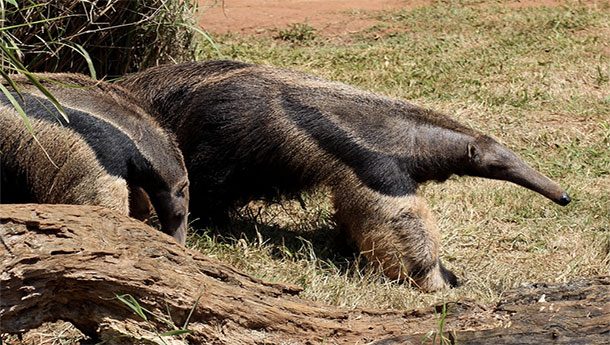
point(438, 278)
point(448, 276)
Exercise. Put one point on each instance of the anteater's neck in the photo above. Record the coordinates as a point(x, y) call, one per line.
point(436, 153)
point(434, 146)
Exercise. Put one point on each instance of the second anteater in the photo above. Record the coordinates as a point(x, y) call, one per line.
point(110, 152)
point(249, 131)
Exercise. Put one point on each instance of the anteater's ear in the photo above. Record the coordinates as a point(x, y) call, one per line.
point(473, 152)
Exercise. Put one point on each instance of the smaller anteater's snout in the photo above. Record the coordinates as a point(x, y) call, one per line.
point(564, 199)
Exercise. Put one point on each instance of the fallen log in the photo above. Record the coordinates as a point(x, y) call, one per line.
point(61, 262)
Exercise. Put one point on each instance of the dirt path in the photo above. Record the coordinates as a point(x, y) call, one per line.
point(328, 17)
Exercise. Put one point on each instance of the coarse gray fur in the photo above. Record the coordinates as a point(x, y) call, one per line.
point(250, 131)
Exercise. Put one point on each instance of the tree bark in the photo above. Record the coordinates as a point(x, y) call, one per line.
point(61, 262)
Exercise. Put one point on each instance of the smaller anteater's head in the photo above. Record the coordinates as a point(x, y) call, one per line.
point(490, 159)
point(171, 205)
point(163, 176)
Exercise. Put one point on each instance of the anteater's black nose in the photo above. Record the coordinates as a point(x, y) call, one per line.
point(564, 200)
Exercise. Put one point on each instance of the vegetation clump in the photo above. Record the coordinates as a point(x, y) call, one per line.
point(297, 33)
point(110, 37)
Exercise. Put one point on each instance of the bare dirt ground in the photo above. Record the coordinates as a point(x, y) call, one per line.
point(328, 17)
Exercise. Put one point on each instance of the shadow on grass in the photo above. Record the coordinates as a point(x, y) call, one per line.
point(320, 242)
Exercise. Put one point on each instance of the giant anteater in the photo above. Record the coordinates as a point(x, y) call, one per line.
point(247, 131)
point(109, 153)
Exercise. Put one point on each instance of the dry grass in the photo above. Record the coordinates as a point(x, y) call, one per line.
point(535, 78)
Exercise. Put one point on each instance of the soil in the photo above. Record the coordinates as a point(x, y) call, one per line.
point(329, 17)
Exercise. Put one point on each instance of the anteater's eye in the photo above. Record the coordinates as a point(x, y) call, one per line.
point(182, 190)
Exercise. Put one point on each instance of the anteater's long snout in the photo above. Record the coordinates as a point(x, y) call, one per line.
point(564, 199)
point(499, 162)
point(524, 175)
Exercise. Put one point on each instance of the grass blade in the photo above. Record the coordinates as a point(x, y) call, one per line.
point(175, 332)
point(205, 35)
point(26, 120)
point(83, 52)
point(188, 318)
point(13, 2)
point(17, 106)
point(33, 79)
point(131, 302)
point(12, 27)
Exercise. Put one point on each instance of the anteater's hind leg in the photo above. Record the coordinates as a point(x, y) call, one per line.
point(397, 233)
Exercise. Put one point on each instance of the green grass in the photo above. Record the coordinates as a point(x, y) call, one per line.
point(536, 78)
point(297, 33)
point(438, 336)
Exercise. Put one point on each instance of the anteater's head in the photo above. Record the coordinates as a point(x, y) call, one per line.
point(163, 176)
point(170, 200)
point(488, 158)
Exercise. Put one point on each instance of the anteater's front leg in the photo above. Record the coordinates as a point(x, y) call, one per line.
point(397, 233)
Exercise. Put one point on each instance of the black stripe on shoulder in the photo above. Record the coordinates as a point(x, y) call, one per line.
point(377, 171)
point(113, 148)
